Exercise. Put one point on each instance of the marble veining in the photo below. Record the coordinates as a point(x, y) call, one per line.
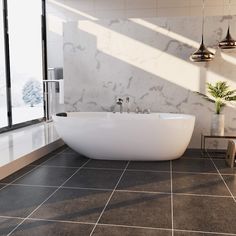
point(146, 59)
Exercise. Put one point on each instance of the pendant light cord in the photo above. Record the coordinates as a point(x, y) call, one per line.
point(203, 18)
point(229, 13)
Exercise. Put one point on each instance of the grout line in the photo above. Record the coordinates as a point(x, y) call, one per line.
point(63, 187)
point(36, 167)
point(12, 217)
point(124, 190)
point(114, 225)
point(138, 170)
point(133, 226)
point(172, 202)
point(204, 232)
point(109, 198)
point(201, 195)
point(100, 168)
point(46, 199)
point(61, 221)
point(140, 191)
point(65, 167)
point(222, 178)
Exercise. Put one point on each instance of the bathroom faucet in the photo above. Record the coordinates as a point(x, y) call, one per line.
point(147, 111)
point(127, 104)
point(119, 102)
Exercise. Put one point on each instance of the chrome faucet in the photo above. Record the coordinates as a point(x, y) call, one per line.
point(147, 111)
point(119, 102)
point(127, 104)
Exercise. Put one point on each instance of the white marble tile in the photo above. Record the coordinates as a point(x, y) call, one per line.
point(109, 14)
point(175, 11)
point(148, 60)
point(173, 3)
point(140, 4)
point(137, 13)
point(109, 5)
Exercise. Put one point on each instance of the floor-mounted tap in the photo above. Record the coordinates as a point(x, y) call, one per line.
point(119, 102)
point(127, 104)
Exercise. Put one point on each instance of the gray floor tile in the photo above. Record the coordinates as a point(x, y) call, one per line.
point(127, 231)
point(7, 225)
point(69, 150)
point(181, 233)
point(2, 185)
point(192, 153)
point(67, 160)
point(223, 168)
point(146, 181)
point(150, 165)
point(21, 200)
point(231, 183)
point(46, 228)
point(209, 184)
point(17, 174)
point(210, 214)
point(138, 209)
point(49, 156)
point(90, 178)
point(74, 205)
point(106, 164)
point(49, 176)
point(194, 165)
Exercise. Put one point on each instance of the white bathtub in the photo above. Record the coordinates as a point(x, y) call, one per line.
point(100, 135)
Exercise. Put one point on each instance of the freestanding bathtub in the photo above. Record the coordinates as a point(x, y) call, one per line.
point(116, 136)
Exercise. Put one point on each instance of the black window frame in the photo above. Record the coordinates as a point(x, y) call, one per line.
point(10, 126)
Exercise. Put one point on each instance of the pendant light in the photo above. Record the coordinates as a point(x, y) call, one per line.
point(202, 54)
point(228, 42)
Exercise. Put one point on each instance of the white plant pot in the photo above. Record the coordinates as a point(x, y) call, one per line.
point(217, 124)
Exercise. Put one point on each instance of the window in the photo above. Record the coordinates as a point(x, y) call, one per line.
point(25, 63)
point(3, 96)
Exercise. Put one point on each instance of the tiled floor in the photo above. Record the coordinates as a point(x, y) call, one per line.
point(68, 194)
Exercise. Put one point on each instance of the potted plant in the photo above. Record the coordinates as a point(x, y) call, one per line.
point(220, 94)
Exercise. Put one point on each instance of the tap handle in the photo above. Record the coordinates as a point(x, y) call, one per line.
point(147, 111)
point(137, 110)
point(119, 101)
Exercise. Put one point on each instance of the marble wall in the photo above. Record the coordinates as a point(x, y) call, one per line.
point(146, 59)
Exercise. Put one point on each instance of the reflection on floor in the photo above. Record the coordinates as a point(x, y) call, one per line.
point(65, 193)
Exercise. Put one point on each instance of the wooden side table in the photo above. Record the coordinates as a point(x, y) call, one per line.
point(204, 137)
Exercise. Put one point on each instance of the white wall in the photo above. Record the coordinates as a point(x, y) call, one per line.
point(146, 58)
point(61, 11)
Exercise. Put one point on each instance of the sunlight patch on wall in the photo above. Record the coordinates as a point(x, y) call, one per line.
point(143, 56)
point(166, 32)
point(73, 10)
point(229, 58)
point(55, 24)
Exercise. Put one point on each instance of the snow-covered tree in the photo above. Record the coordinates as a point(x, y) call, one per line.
point(32, 92)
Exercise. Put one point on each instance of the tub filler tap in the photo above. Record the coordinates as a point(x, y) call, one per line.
point(120, 103)
point(127, 101)
point(147, 111)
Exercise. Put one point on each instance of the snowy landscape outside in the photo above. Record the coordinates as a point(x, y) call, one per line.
point(25, 63)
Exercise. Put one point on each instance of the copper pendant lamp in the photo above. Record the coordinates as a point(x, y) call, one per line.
point(202, 54)
point(228, 42)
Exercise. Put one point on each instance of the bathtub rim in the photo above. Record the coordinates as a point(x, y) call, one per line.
point(125, 115)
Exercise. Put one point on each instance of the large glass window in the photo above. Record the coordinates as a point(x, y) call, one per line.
point(3, 97)
point(25, 45)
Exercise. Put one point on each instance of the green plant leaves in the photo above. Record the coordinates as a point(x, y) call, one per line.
point(220, 93)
